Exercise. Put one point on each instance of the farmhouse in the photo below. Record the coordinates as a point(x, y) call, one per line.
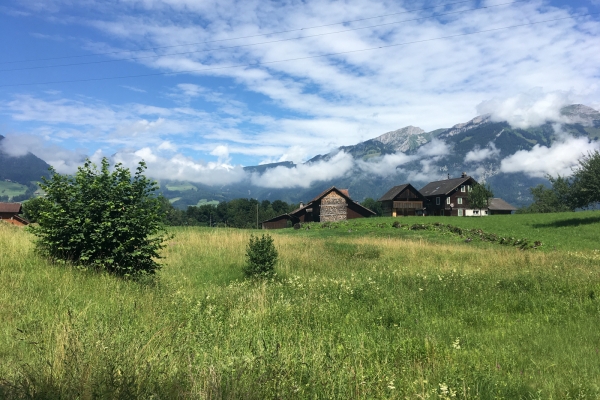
point(402, 200)
point(9, 212)
point(332, 205)
point(449, 196)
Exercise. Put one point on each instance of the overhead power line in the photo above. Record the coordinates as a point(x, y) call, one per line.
point(255, 44)
point(240, 37)
point(295, 59)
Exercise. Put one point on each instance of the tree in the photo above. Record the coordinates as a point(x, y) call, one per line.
point(373, 205)
point(586, 180)
point(480, 195)
point(32, 208)
point(261, 257)
point(101, 219)
point(558, 198)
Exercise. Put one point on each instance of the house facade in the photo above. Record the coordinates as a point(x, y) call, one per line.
point(449, 197)
point(9, 212)
point(402, 200)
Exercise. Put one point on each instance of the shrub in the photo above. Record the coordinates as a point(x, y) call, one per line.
point(101, 219)
point(261, 257)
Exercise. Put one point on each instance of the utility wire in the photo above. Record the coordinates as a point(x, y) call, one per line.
point(240, 37)
point(256, 44)
point(295, 59)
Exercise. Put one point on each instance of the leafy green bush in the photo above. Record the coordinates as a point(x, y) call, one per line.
point(101, 219)
point(261, 257)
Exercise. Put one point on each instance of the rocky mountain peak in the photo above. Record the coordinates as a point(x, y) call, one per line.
point(463, 127)
point(403, 139)
point(580, 114)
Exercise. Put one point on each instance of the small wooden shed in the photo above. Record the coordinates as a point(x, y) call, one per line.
point(9, 212)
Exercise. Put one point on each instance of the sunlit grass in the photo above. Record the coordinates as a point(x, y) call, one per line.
point(347, 317)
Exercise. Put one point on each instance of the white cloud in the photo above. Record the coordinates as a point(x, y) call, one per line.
point(304, 175)
point(478, 155)
point(524, 110)
point(63, 160)
point(558, 159)
point(386, 165)
point(182, 168)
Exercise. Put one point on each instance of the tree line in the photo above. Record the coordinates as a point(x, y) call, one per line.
point(237, 213)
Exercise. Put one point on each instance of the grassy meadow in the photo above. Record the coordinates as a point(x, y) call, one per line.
point(360, 310)
point(11, 189)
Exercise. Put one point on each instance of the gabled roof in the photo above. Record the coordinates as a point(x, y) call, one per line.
point(499, 204)
point(10, 207)
point(443, 187)
point(393, 192)
point(396, 190)
point(342, 192)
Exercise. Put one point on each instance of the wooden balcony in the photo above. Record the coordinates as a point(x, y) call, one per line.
point(408, 204)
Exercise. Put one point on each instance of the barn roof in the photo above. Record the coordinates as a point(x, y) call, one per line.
point(393, 192)
point(10, 207)
point(397, 190)
point(343, 192)
point(443, 187)
point(500, 205)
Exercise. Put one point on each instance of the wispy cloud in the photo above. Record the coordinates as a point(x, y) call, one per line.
point(480, 154)
point(558, 159)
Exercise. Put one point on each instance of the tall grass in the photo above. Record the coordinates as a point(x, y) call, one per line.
point(346, 317)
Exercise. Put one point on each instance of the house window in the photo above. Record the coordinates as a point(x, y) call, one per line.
point(463, 188)
point(437, 201)
point(447, 200)
point(460, 212)
point(469, 188)
point(459, 200)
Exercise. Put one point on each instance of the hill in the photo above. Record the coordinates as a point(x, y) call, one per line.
point(24, 170)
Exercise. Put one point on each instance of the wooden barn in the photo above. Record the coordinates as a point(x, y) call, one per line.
point(402, 200)
point(9, 212)
point(449, 196)
point(332, 205)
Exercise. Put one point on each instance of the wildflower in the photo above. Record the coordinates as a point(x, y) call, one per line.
point(456, 344)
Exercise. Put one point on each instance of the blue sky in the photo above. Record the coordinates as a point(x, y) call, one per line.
point(199, 88)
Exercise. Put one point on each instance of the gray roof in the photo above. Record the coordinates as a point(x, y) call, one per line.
point(499, 204)
point(393, 192)
point(443, 187)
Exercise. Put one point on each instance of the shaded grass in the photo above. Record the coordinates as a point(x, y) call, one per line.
point(347, 317)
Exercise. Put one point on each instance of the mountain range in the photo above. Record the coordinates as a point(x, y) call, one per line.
point(407, 155)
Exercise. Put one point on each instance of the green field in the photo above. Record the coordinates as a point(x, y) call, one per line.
point(203, 202)
point(11, 189)
point(181, 187)
point(560, 231)
point(361, 310)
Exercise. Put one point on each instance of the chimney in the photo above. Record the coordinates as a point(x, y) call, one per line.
point(464, 175)
point(448, 176)
point(301, 204)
